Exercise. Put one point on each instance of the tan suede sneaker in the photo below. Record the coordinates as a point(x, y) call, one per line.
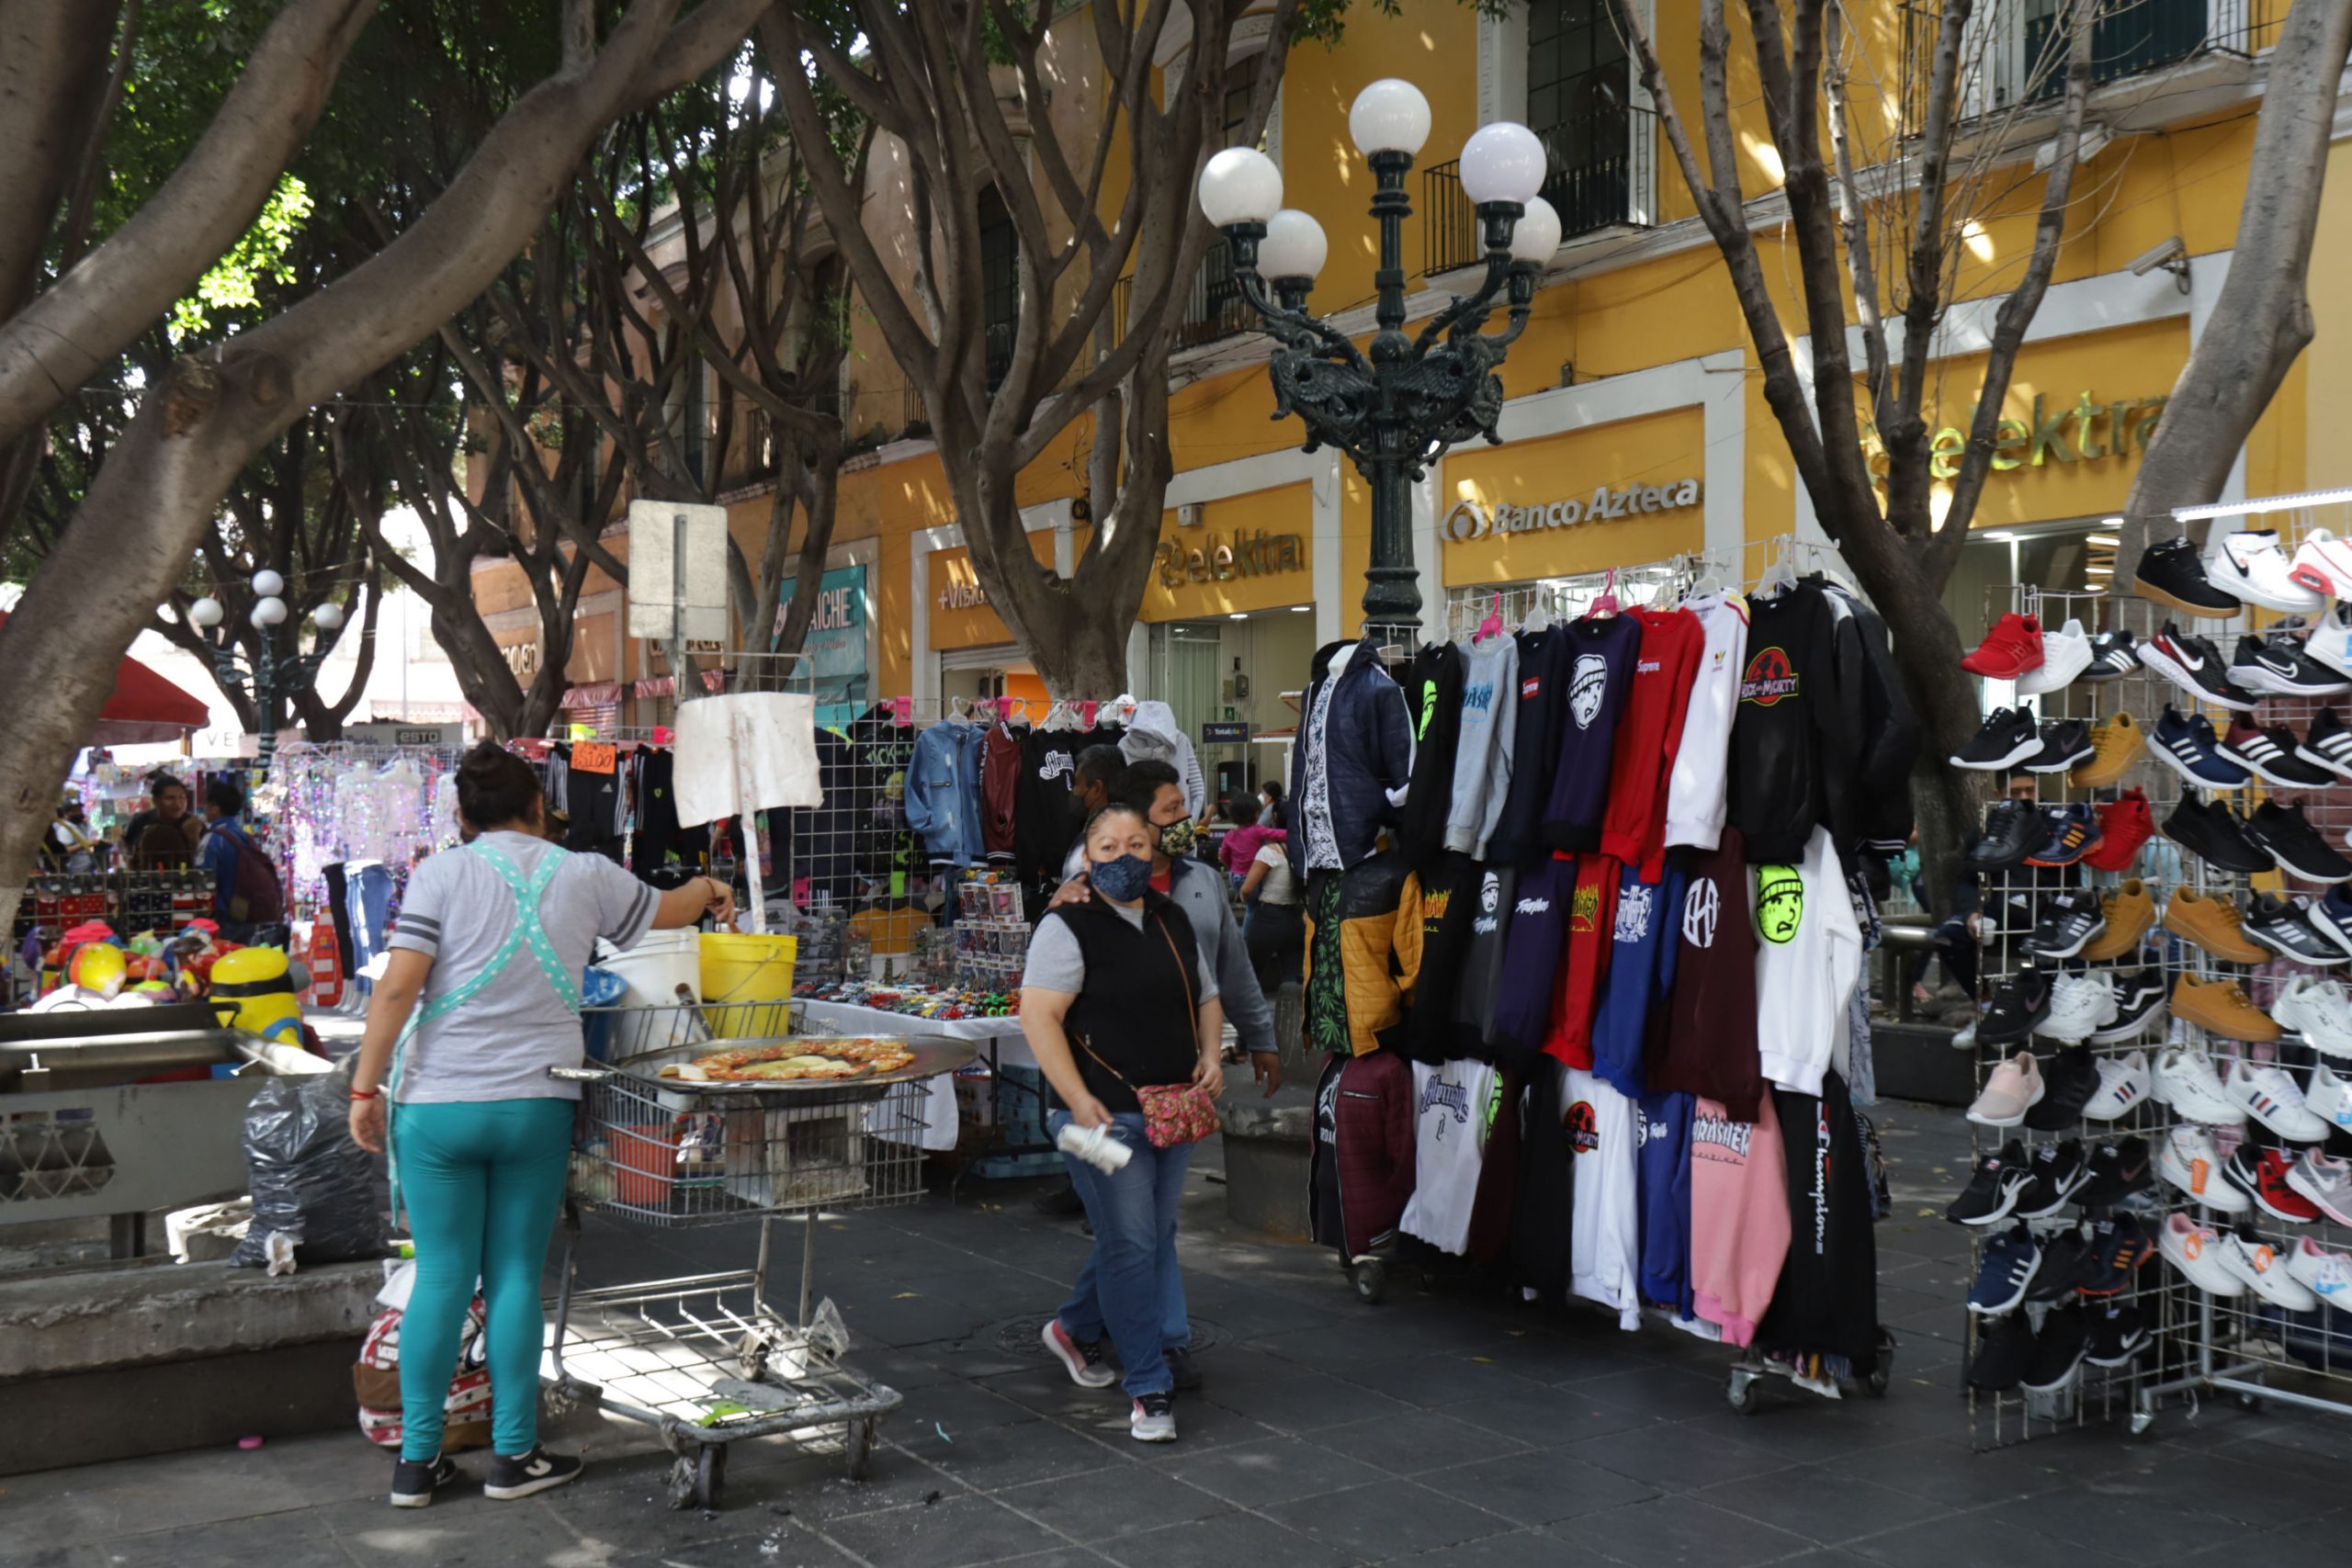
point(2130, 912)
point(2222, 1006)
point(2115, 746)
point(2212, 922)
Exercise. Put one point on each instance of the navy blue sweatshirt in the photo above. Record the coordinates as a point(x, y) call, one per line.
point(1543, 660)
point(1602, 656)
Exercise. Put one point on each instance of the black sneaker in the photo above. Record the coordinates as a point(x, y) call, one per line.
point(2138, 999)
point(2114, 655)
point(2058, 1351)
point(2004, 1350)
point(2013, 829)
point(2270, 752)
point(2006, 739)
point(2066, 1262)
point(2280, 666)
point(415, 1480)
point(1187, 1371)
point(2285, 928)
point(2121, 1246)
point(2332, 917)
point(2194, 665)
point(2171, 573)
point(2010, 1261)
point(2069, 832)
point(1992, 1193)
point(523, 1476)
point(2065, 742)
point(2068, 1081)
point(2287, 835)
point(2070, 921)
point(2117, 1170)
point(2058, 1172)
point(2019, 1004)
point(2328, 743)
point(2211, 832)
point(2117, 1333)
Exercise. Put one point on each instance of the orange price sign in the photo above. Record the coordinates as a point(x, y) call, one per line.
point(592, 757)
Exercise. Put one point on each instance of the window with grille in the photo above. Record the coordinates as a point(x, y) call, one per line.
point(999, 285)
point(1578, 84)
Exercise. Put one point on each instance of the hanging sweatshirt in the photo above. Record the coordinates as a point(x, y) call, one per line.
point(1695, 786)
point(1890, 734)
point(1433, 685)
point(1153, 733)
point(1637, 978)
point(1806, 964)
point(1498, 1173)
point(1544, 658)
point(1452, 1105)
point(1708, 1046)
point(1826, 1301)
point(1664, 1199)
point(1001, 754)
point(1602, 654)
point(1435, 918)
point(1648, 734)
point(1482, 752)
point(1584, 960)
point(1482, 963)
point(1525, 994)
point(1798, 738)
point(1739, 1217)
point(1604, 1240)
point(1539, 1242)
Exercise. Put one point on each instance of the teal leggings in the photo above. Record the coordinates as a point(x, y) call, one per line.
point(481, 1182)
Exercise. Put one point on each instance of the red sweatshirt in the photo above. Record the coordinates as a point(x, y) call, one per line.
point(1592, 925)
point(1648, 734)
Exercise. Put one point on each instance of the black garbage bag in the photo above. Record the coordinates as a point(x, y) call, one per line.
point(311, 1183)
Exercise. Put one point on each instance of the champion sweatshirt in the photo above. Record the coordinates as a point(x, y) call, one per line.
point(1694, 788)
point(1482, 754)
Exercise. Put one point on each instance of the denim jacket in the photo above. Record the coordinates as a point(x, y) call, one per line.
point(943, 793)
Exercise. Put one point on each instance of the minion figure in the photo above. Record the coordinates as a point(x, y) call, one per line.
point(260, 982)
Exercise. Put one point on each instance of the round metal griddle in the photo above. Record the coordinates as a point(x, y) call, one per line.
point(933, 1055)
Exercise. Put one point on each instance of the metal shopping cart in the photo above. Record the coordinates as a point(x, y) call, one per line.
point(710, 1359)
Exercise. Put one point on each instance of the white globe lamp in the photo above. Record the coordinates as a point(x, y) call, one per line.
point(1240, 184)
point(267, 583)
point(1537, 235)
point(328, 617)
point(206, 612)
point(269, 612)
point(1389, 116)
point(1293, 247)
point(1502, 162)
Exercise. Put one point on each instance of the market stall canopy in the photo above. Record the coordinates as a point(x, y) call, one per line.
point(144, 707)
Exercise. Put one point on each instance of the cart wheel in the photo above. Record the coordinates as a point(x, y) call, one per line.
point(1371, 1280)
point(556, 1400)
point(1740, 1393)
point(2251, 1402)
point(682, 1484)
point(857, 1446)
point(710, 1475)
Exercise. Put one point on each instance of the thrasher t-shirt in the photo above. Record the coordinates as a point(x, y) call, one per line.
point(1454, 1108)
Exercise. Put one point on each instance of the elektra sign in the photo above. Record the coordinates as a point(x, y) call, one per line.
point(1471, 520)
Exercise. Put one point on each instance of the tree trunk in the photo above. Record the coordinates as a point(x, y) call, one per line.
point(2236, 368)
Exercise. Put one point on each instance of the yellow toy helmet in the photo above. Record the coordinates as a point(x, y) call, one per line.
point(99, 967)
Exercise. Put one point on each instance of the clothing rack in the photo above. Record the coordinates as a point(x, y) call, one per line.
point(1651, 584)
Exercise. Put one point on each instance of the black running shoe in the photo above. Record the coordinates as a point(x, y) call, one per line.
point(2172, 573)
point(2280, 666)
point(2194, 665)
point(2212, 833)
point(2066, 1262)
point(2120, 1245)
point(2287, 835)
point(2117, 1170)
point(2004, 1351)
point(2069, 921)
point(2271, 752)
point(2117, 1333)
point(1992, 1193)
point(415, 1480)
point(2138, 999)
point(2019, 1004)
point(523, 1476)
point(2058, 1172)
point(2069, 832)
point(2064, 743)
point(2285, 928)
point(2068, 1081)
point(2113, 656)
point(2058, 1351)
point(2328, 743)
point(2013, 829)
point(2007, 739)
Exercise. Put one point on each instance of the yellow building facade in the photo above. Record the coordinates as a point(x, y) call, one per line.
point(1634, 428)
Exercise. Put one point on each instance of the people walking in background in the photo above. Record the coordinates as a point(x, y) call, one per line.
point(1270, 807)
point(1274, 930)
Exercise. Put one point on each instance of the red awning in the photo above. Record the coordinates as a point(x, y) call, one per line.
point(144, 707)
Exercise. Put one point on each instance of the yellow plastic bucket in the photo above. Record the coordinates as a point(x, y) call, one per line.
point(747, 983)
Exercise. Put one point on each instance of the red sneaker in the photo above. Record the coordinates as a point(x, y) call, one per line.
point(2125, 825)
point(2262, 1175)
point(2011, 649)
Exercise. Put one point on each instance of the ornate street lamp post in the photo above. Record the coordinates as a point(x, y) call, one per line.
point(273, 672)
point(1394, 406)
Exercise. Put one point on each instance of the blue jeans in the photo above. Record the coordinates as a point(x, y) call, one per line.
point(1131, 1286)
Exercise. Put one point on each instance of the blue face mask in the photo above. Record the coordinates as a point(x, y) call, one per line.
point(1124, 879)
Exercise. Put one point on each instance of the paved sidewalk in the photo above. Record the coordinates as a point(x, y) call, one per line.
point(1445, 1427)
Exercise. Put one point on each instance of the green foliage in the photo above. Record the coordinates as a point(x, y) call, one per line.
point(234, 281)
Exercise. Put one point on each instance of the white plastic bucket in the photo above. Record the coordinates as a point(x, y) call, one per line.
point(657, 966)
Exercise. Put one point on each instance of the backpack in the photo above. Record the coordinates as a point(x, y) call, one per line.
point(255, 898)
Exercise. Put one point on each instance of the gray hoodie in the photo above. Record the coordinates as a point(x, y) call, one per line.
point(1482, 757)
point(1154, 732)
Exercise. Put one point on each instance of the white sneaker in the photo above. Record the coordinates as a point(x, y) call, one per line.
point(2196, 1251)
point(2323, 563)
point(2327, 1275)
point(2319, 1010)
point(2122, 1087)
point(2064, 655)
point(2185, 1080)
point(2256, 1264)
point(2330, 639)
point(2079, 1005)
point(2252, 565)
point(2189, 1162)
point(1152, 1419)
point(2269, 1095)
point(2327, 1183)
point(2330, 1099)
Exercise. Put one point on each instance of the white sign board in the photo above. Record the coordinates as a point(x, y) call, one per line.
point(392, 732)
point(677, 570)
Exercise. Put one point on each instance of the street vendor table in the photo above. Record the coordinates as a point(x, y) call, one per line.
point(999, 1040)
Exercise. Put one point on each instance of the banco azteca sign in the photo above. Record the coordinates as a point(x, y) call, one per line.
point(1475, 520)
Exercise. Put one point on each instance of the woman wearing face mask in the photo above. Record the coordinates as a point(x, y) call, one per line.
point(1121, 995)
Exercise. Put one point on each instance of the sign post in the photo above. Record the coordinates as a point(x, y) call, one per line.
point(677, 572)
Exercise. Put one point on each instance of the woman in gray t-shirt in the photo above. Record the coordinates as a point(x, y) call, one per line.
point(482, 990)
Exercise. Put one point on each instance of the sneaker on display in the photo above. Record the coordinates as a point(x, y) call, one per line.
point(2066, 744)
point(1992, 1193)
point(2013, 829)
point(2068, 1084)
point(2323, 563)
point(2327, 1182)
point(2116, 745)
point(2065, 653)
point(2068, 1265)
point(2171, 574)
point(2271, 752)
point(2121, 1247)
point(2018, 1003)
point(1153, 1418)
point(2010, 1090)
point(2069, 832)
point(2185, 743)
point(2129, 913)
point(2124, 824)
point(2278, 665)
point(2330, 1099)
point(2212, 831)
point(2069, 921)
point(2118, 1170)
point(2011, 1259)
point(2250, 565)
point(2114, 655)
point(2185, 1079)
point(2266, 1092)
point(2288, 837)
point(2012, 650)
point(2004, 1350)
point(2117, 1333)
point(2058, 1351)
point(2256, 1264)
point(2078, 1005)
point(2189, 1162)
point(2196, 1251)
point(2319, 1010)
point(2330, 639)
point(2123, 1086)
point(2330, 915)
point(2261, 1175)
point(2213, 923)
point(2327, 743)
point(2326, 1275)
point(2193, 664)
point(2007, 739)
point(2284, 926)
point(2060, 1171)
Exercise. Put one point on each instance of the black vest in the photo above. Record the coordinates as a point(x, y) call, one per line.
point(1138, 1010)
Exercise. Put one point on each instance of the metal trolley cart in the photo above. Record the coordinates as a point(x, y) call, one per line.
point(709, 1358)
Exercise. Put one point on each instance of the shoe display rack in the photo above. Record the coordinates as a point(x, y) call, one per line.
point(2149, 1081)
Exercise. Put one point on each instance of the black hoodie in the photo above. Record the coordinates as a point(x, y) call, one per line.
point(1798, 737)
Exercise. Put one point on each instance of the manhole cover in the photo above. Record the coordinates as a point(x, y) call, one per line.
point(1024, 1335)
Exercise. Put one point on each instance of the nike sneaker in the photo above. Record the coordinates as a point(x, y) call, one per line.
point(2284, 926)
point(2123, 1086)
point(2327, 1182)
point(2256, 1264)
point(2069, 921)
point(2065, 654)
point(2058, 1351)
point(2194, 665)
point(2007, 739)
point(2186, 744)
point(2319, 1010)
point(2118, 1170)
point(2010, 1261)
point(2188, 1161)
point(2124, 824)
point(2171, 574)
point(2069, 832)
point(2323, 563)
point(2281, 667)
point(2288, 837)
point(2066, 744)
point(2261, 1175)
point(2268, 1093)
point(2013, 829)
point(2330, 1099)
point(2327, 1275)
point(2012, 650)
point(2019, 1003)
point(2272, 754)
point(2117, 1333)
point(2328, 743)
point(2114, 655)
point(2196, 1251)
point(2250, 565)
point(2060, 1171)
point(1992, 1193)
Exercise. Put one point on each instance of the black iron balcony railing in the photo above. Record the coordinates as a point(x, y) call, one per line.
point(1214, 307)
point(1599, 178)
